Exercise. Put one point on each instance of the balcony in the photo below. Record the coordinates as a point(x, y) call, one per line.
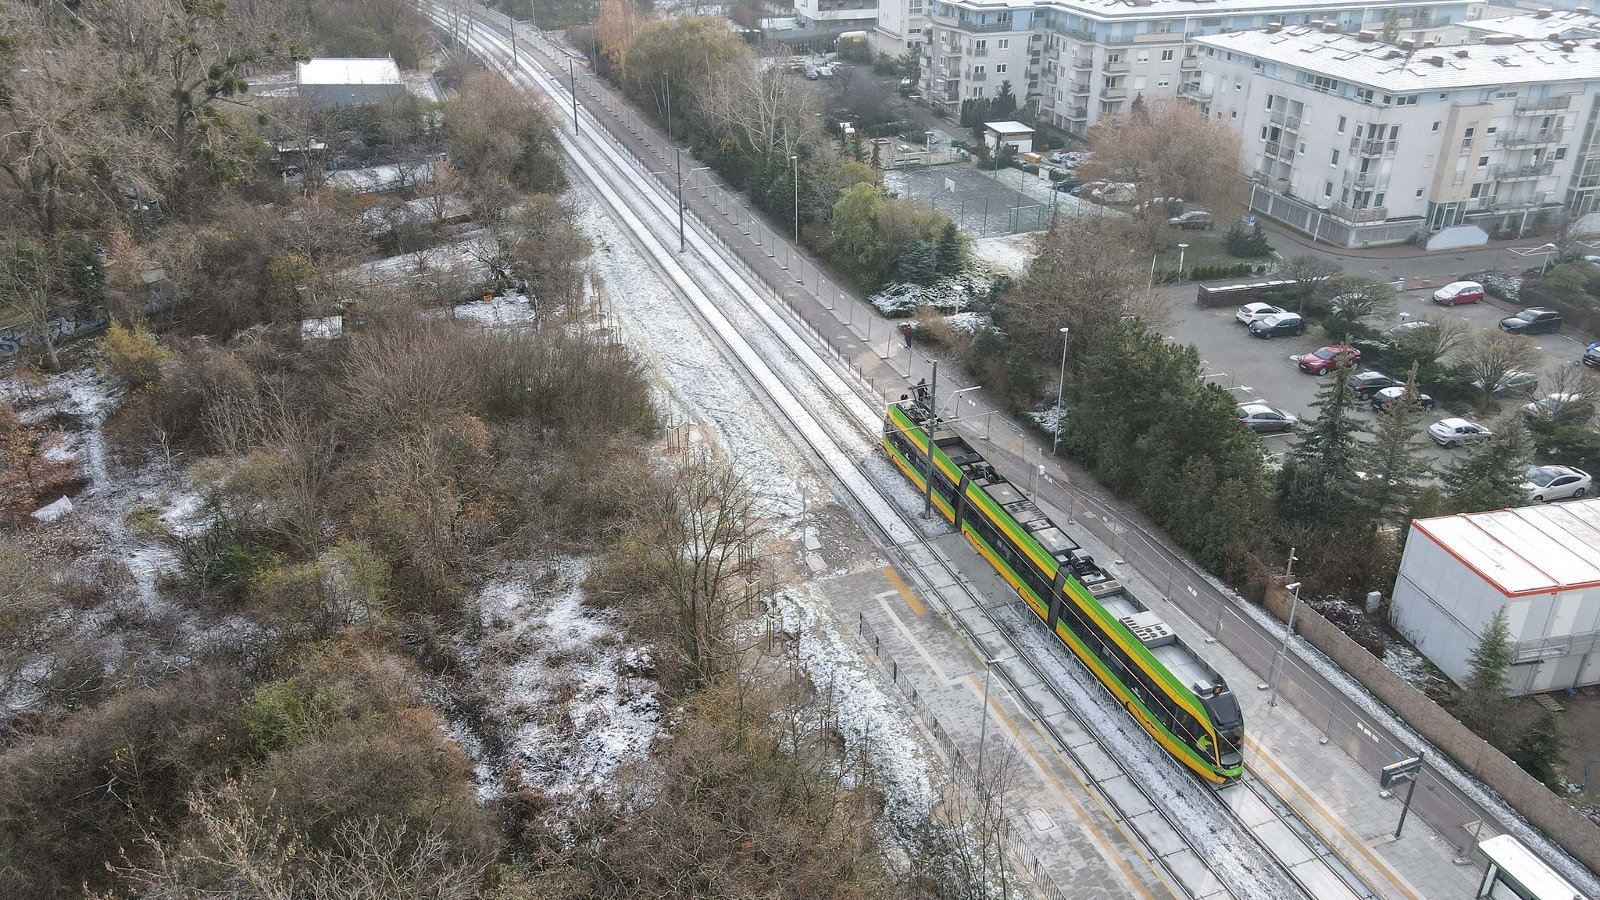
point(1285, 121)
point(1114, 93)
point(980, 51)
point(1190, 62)
point(1083, 64)
point(1053, 53)
point(1531, 139)
point(1193, 91)
point(1526, 107)
point(1082, 88)
point(1358, 216)
point(978, 76)
point(1077, 34)
point(1080, 113)
point(1369, 181)
point(988, 26)
point(1372, 147)
point(1513, 173)
point(1281, 151)
point(1114, 67)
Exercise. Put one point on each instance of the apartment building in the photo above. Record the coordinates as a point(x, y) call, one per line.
point(843, 15)
point(1081, 60)
point(1360, 142)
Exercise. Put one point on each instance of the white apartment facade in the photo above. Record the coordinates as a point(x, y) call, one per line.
point(1359, 142)
point(843, 15)
point(1081, 60)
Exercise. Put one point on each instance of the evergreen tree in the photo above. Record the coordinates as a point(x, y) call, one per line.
point(877, 157)
point(1484, 696)
point(1004, 104)
point(951, 256)
point(917, 263)
point(1319, 476)
point(1490, 475)
point(1137, 109)
point(1539, 749)
point(1394, 461)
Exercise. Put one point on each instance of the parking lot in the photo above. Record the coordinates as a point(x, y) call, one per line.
point(1266, 370)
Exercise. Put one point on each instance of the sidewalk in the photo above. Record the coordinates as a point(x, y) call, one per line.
point(1315, 777)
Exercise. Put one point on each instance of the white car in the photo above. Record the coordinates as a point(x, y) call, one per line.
point(1546, 483)
point(1455, 432)
point(1252, 311)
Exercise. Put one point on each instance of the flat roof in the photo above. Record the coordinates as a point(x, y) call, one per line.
point(1528, 550)
point(1567, 24)
point(1389, 68)
point(1530, 872)
point(1129, 10)
point(336, 70)
point(1007, 127)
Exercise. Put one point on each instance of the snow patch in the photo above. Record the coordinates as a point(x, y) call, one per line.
point(53, 511)
point(1010, 254)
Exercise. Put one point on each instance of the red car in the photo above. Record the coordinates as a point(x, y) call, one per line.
point(1326, 359)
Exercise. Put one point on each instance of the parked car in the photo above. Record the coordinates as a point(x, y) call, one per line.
point(1385, 399)
point(1533, 320)
point(1167, 206)
point(1546, 483)
point(1559, 408)
point(1278, 323)
point(1455, 432)
point(1365, 384)
point(1193, 219)
point(1252, 311)
point(1323, 360)
point(1068, 185)
point(1262, 419)
point(1087, 189)
point(1115, 192)
point(1401, 329)
point(1591, 355)
point(1513, 383)
point(1458, 292)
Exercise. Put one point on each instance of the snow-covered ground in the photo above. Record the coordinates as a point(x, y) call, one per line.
point(380, 178)
point(1009, 254)
point(574, 702)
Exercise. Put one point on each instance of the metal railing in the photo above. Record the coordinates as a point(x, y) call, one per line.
point(1532, 138)
point(1194, 91)
point(1546, 105)
point(1119, 66)
point(1511, 173)
point(1284, 120)
point(1280, 150)
point(1372, 147)
point(1366, 181)
point(1352, 214)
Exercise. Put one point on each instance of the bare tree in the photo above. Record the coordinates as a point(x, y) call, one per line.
point(32, 294)
point(1352, 298)
point(1308, 272)
point(1168, 149)
point(770, 111)
point(702, 540)
point(1440, 336)
point(1084, 277)
point(1490, 355)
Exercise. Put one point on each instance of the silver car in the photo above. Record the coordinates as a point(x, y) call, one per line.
point(1546, 483)
point(1252, 311)
point(1456, 432)
point(1262, 419)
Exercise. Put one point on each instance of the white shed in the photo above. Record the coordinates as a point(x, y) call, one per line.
point(1016, 134)
point(1541, 564)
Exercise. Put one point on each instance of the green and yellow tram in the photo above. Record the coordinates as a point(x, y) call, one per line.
point(1169, 690)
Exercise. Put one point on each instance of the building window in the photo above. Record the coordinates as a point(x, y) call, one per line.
point(980, 46)
point(1143, 56)
point(1436, 127)
point(1238, 86)
point(1341, 124)
point(1000, 69)
point(1419, 193)
point(1327, 189)
point(915, 8)
point(1483, 161)
point(1477, 190)
point(1407, 100)
point(977, 92)
point(1003, 44)
point(1334, 160)
point(1365, 95)
point(1561, 153)
point(1113, 57)
point(1166, 56)
point(1163, 81)
point(976, 70)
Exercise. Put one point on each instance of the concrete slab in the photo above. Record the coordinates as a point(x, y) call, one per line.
point(1126, 795)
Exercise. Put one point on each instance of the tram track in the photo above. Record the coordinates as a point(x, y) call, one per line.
point(812, 412)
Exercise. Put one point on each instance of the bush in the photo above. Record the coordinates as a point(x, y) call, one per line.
point(132, 355)
point(1246, 243)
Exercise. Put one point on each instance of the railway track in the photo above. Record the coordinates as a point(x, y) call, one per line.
point(1217, 853)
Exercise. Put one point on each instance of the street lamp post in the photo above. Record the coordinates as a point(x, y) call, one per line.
point(1277, 662)
point(1061, 390)
point(983, 726)
point(1182, 249)
point(794, 164)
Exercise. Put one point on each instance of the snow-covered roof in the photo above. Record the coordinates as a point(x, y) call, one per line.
point(1008, 127)
point(1390, 68)
point(336, 70)
point(1140, 10)
point(1528, 550)
point(1567, 24)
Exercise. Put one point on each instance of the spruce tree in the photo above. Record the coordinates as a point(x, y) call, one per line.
point(1484, 696)
point(952, 251)
point(1319, 476)
point(1004, 104)
point(1394, 462)
point(1539, 749)
point(917, 263)
point(1490, 476)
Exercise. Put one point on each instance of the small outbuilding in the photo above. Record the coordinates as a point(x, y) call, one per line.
point(1540, 564)
point(1018, 135)
point(329, 81)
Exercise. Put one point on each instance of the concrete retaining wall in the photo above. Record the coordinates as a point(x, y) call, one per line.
point(1526, 794)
